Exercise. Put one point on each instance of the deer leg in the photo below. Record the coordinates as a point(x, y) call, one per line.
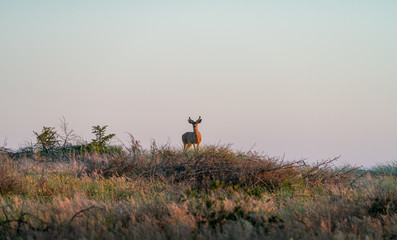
point(188, 146)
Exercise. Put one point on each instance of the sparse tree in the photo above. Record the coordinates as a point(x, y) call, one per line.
point(101, 139)
point(47, 139)
point(67, 135)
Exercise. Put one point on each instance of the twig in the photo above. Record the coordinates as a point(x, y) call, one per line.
point(76, 215)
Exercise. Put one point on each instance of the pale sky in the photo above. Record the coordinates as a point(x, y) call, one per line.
point(304, 79)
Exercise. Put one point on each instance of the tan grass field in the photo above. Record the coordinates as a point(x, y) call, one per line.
point(215, 193)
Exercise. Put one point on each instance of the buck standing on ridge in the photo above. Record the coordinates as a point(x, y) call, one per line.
point(194, 137)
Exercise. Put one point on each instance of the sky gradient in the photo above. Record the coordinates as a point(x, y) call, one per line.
point(304, 79)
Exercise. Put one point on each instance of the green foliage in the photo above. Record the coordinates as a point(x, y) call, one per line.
point(118, 150)
point(25, 151)
point(256, 191)
point(386, 169)
point(65, 145)
point(101, 141)
point(47, 139)
point(216, 184)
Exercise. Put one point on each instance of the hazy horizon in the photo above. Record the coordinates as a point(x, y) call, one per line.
point(303, 79)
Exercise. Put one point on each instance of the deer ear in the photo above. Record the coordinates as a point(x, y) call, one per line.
point(199, 121)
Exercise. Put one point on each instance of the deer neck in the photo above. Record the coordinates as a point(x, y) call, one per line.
point(197, 134)
point(196, 131)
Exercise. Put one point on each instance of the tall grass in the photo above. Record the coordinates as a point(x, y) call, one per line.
point(215, 193)
point(9, 178)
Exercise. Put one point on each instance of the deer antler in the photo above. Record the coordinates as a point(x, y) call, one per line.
point(190, 120)
point(199, 118)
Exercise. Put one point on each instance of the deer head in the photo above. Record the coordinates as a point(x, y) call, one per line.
point(194, 123)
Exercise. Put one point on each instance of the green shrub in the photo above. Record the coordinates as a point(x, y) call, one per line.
point(386, 169)
point(47, 139)
point(101, 141)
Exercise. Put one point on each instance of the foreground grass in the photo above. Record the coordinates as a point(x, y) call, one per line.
point(213, 194)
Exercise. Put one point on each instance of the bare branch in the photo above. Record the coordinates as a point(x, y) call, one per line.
point(67, 135)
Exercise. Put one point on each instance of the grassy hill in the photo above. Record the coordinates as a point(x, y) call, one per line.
point(215, 193)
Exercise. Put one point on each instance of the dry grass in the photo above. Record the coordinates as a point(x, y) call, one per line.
point(9, 179)
point(216, 193)
point(219, 164)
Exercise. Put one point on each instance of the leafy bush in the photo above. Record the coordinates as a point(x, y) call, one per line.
point(47, 139)
point(101, 141)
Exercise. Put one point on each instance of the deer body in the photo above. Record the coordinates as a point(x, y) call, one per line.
point(192, 138)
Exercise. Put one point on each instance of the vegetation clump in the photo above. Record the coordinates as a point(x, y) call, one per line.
point(47, 139)
point(49, 143)
point(101, 140)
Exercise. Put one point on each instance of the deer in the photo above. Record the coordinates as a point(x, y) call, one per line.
point(192, 138)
